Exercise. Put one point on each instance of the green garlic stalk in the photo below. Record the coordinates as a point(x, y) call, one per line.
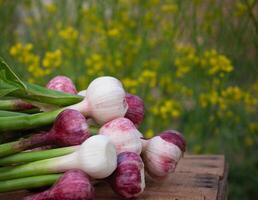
point(96, 156)
point(30, 156)
point(28, 182)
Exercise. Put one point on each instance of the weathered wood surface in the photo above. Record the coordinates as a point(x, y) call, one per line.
point(197, 177)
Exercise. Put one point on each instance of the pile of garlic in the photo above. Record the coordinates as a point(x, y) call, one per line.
point(159, 155)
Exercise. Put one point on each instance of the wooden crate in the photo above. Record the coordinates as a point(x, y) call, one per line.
point(197, 177)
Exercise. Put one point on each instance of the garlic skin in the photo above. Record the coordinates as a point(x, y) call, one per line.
point(162, 154)
point(123, 134)
point(98, 156)
point(62, 84)
point(135, 110)
point(106, 99)
point(128, 180)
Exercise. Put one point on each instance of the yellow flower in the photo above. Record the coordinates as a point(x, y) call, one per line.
point(170, 108)
point(52, 59)
point(148, 77)
point(15, 49)
point(216, 63)
point(69, 34)
point(203, 100)
point(51, 7)
point(185, 60)
point(114, 32)
point(240, 9)
point(130, 84)
point(182, 70)
point(232, 92)
point(149, 133)
point(95, 64)
point(253, 127)
point(169, 8)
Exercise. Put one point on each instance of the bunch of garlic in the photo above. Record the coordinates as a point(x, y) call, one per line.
point(119, 114)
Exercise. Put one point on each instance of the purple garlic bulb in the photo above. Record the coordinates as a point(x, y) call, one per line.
point(135, 110)
point(70, 128)
point(128, 179)
point(73, 185)
point(162, 153)
point(62, 84)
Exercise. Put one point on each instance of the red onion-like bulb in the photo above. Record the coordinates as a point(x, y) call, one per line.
point(162, 153)
point(73, 185)
point(135, 110)
point(123, 134)
point(70, 128)
point(128, 179)
point(62, 84)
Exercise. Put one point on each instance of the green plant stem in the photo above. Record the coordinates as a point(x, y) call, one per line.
point(25, 157)
point(28, 182)
point(4, 169)
point(4, 113)
point(7, 148)
point(47, 166)
point(31, 111)
point(28, 121)
point(9, 104)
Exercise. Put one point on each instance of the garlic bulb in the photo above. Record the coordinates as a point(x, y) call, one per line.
point(106, 99)
point(73, 184)
point(63, 84)
point(97, 156)
point(162, 153)
point(123, 135)
point(128, 179)
point(135, 110)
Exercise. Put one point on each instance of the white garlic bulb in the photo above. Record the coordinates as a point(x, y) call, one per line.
point(106, 99)
point(123, 135)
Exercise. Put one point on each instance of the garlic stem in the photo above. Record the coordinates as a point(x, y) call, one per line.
point(96, 156)
point(28, 182)
point(30, 156)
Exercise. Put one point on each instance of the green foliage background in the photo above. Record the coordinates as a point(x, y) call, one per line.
point(193, 62)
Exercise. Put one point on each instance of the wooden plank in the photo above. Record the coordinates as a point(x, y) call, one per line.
point(204, 164)
point(223, 185)
point(103, 192)
point(197, 178)
point(189, 185)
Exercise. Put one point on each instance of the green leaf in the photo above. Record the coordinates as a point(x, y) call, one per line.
point(8, 75)
point(11, 85)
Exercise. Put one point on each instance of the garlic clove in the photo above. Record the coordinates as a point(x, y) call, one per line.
point(99, 158)
point(128, 180)
point(123, 135)
point(135, 110)
point(106, 99)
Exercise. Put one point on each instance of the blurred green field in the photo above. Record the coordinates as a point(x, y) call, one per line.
point(193, 62)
